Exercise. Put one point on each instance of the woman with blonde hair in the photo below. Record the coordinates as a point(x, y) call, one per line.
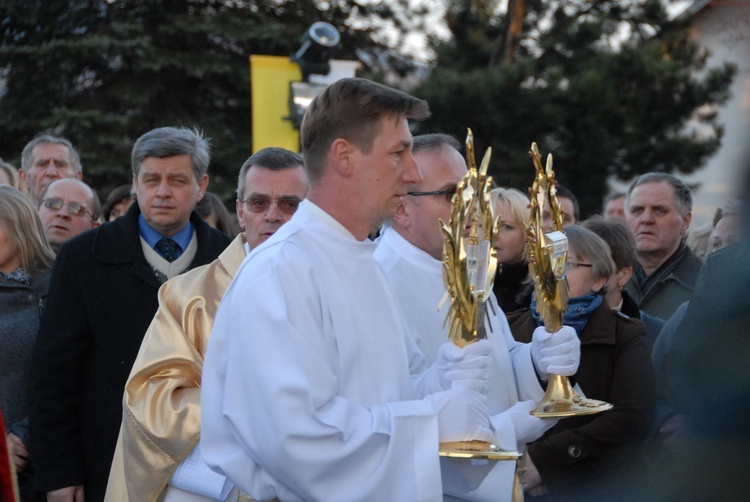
point(25, 266)
point(9, 175)
point(513, 283)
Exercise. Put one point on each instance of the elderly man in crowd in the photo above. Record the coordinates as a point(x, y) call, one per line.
point(102, 297)
point(45, 159)
point(164, 386)
point(658, 212)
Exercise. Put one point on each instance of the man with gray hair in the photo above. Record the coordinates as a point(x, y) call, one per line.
point(658, 211)
point(102, 297)
point(164, 384)
point(45, 159)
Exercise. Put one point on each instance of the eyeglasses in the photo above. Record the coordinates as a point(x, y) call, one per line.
point(260, 204)
point(448, 193)
point(74, 208)
point(575, 264)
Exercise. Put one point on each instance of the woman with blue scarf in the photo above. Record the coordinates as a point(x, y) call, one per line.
point(579, 457)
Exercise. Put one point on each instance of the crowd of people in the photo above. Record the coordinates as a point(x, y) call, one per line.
point(157, 347)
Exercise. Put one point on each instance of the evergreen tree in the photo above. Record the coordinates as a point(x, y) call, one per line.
point(102, 72)
point(602, 100)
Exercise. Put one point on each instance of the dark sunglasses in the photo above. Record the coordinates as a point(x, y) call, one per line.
point(260, 204)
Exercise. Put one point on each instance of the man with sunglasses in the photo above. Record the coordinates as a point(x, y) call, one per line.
point(163, 386)
point(68, 207)
point(102, 297)
point(410, 251)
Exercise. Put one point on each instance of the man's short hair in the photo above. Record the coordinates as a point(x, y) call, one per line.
point(351, 108)
point(96, 206)
point(610, 198)
point(434, 142)
point(171, 141)
point(681, 191)
point(273, 158)
point(619, 238)
point(42, 139)
point(565, 192)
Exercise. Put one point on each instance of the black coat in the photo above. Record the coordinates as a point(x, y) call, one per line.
point(615, 367)
point(102, 298)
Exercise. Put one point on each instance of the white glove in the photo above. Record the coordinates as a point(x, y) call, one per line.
point(528, 427)
point(469, 365)
point(462, 415)
point(555, 353)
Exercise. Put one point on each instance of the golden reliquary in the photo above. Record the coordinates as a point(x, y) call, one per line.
point(469, 266)
point(547, 255)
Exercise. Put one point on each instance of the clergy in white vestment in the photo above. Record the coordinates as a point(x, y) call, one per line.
point(410, 253)
point(308, 389)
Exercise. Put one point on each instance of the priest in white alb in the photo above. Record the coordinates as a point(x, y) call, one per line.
point(410, 250)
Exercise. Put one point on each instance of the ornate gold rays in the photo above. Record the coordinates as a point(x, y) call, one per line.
point(469, 257)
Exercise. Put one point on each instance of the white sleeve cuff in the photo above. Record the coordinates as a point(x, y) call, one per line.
point(193, 475)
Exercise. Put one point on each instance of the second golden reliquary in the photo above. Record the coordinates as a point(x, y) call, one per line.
point(547, 256)
point(469, 266)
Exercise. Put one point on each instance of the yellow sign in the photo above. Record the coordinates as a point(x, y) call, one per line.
point(269, 90)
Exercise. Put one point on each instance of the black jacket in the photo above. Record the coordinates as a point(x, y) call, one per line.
point(102, 297)
point(615, 367)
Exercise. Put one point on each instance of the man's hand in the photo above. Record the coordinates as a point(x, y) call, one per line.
point(469, 365)
point(462, 415)
point(528, 428)
point(532, 481)
point(18, 452)
point(67, 494)
point(555, 353)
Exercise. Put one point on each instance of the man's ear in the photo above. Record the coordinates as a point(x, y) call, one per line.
point(686, 223)
point(625, 274)
point(240, 209)
point(202, 186)
point(402, 217)
point(342, 152)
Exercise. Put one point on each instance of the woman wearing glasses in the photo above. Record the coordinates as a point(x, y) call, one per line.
point(25, 262)
point(580, 455)
point(513, 284)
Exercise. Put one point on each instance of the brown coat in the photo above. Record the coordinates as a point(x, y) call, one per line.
point(615, 367)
